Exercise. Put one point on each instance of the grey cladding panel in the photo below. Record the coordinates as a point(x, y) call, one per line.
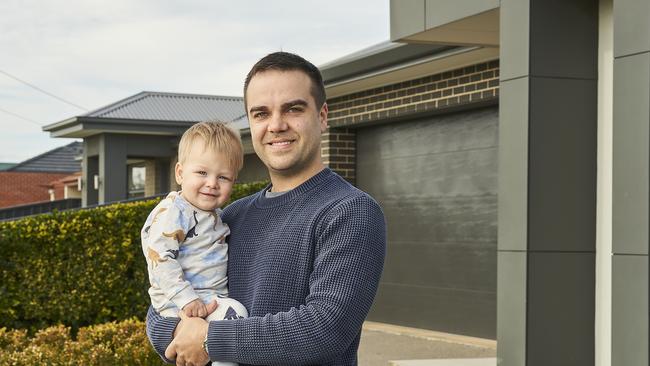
point(630, 310)
point(561, 295)
point(564, 38)
point(406, 18)
point(631, 27)
point(436, 180)
point(631, 175)
point(562, 165)
point(440, 12)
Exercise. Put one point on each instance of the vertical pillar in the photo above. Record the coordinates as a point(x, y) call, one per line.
point(547, 182)
point(90, 168)
point(631, 183)
point(112, 169)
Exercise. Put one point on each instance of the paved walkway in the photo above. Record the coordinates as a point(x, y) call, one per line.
point(390, 345)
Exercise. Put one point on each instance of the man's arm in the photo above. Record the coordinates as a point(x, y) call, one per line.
point(160, 331)
point(350, 253)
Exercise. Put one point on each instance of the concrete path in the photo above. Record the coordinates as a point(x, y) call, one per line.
point(390, 345)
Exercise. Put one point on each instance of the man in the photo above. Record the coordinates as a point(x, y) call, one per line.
point(306, 253)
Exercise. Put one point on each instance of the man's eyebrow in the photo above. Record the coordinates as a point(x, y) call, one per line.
point(257, 109)
point(293, 103)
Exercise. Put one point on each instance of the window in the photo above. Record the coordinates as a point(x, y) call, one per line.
point(136, 180)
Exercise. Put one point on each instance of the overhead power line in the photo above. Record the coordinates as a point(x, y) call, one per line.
point(43, 91)
point(21, 117)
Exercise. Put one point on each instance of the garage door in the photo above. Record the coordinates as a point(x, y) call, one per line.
point(436, 180)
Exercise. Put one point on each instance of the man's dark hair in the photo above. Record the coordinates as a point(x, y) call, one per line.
point(285, 61)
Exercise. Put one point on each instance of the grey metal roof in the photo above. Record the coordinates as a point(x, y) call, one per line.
point(62, 159)
point(239, 123)
point(160, 106)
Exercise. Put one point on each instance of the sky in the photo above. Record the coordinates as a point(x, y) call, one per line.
point(91, 53)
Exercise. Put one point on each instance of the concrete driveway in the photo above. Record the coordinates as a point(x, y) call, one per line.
point(384, 345)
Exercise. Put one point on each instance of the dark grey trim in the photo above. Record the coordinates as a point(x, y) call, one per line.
point(375, 58)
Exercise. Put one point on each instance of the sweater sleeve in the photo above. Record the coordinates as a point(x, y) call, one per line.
point(350, 250)
point(161, 247)
point(160, 331)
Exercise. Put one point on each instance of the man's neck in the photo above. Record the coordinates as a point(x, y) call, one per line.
point(283, 183)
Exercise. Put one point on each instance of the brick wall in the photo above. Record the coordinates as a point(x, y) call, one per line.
point(435, 93)
point(19, 188)
point(338, 148)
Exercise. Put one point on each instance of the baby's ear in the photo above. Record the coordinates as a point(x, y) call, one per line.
point(178, 173)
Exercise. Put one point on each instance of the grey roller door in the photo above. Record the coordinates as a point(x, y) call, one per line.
point(436, 179)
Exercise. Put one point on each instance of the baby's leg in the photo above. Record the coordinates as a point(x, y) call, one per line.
point(228, 309)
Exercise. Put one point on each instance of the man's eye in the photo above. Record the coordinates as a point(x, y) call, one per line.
point(260, 115)
point(295, 109)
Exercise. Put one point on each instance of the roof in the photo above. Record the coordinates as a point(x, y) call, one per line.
point(173, 107)
point(376, 57)
point(5, 166)
point(62, 159)
point(153, 113)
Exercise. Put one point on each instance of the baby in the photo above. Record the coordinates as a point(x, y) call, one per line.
point(184, 239)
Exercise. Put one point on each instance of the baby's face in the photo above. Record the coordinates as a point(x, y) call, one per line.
point(206, 177)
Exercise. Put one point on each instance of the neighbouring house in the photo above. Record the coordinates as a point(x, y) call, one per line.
point(130, 146)
point(31, 180)
point(66, 187)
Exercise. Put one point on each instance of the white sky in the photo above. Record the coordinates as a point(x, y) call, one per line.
point(95, 52)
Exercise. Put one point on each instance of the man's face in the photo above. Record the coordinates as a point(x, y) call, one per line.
point(285, 122)
point(205, 176)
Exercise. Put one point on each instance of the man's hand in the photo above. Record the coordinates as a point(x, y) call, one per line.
point(195, 308)
point(187, 346)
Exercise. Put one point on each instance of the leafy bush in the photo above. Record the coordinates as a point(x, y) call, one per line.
point(77, 267)
point(123, 343)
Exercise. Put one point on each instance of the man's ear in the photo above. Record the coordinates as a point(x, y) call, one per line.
point(178, 172)
point(322, 115)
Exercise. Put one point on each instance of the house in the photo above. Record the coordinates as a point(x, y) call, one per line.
point(517, 209)
point(130, 146)
point(30, 181)
point(562, 165)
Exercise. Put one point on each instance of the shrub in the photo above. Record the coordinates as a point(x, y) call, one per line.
point(77, 267)
point(123, 343)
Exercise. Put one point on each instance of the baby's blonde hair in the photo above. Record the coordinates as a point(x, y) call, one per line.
point(217, 137)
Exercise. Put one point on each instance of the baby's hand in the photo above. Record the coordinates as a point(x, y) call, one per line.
point(196, 308)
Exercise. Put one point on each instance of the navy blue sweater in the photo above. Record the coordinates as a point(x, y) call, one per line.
point(306, 265)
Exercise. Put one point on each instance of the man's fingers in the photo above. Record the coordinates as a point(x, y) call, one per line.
point(211, 307)
point(170, 352)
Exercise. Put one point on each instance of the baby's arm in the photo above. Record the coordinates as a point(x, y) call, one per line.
point(162, 245)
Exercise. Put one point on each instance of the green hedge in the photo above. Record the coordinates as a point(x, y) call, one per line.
point(77, 267)
point(123, 343)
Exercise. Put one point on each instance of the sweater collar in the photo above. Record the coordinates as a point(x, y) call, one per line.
point(309, 184)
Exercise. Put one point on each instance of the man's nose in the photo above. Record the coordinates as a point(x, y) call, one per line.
point(277, 123)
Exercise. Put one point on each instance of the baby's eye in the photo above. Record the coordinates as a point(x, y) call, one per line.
point(224, 178)
point(201, 172)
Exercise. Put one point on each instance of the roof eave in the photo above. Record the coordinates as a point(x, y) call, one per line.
point(80, 127)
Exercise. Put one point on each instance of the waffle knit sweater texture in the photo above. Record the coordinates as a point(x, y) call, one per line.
point(306, 265)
